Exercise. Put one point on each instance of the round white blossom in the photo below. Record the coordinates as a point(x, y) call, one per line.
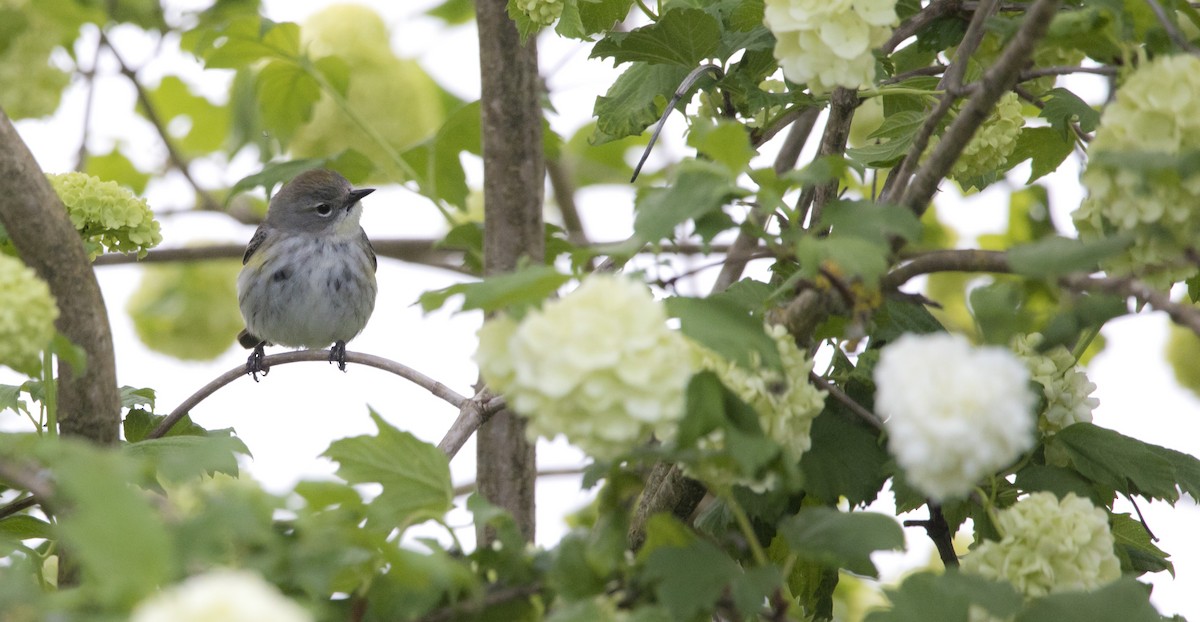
point(599, 366)
point(828, 43)
point(786, 405)
point(1156, 115)
point(1065, 385)
point(27, 314)
point(953, 412)
point(1048, 546)
point(221, 596)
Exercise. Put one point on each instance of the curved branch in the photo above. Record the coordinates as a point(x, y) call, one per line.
point(1185, 315)
point(472, 414)
point(46, 241)
point(958, 260)
point(438, 389)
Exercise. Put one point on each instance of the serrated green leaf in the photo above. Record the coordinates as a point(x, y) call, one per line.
point(138, 423)
point(24, 527)
point(245, 40)
point(286, 96)
point(635, 100)
point(689, 580)
point(208, 123)
point(727, 329)
point(1055, 256)
point(850, 256)
point(437, 162)
point(681, 37)
point(748, 294)
point(725, 142)
point(874, 222)
point(509, 291)
point(842, 539)
point(1046, 146)
point(947, 596)
point(1123, 600)
point(415, 475)
point(274, 173)
point(894, 138)
point(114, 166)
point(582, 18)
point(846, 459)
point(1136, 548)
point(1118, 462)
point(1060, 481)
point(897, 317)
point(179, 458)
point(10, 399)
point(1062, 107)
point(700, 188)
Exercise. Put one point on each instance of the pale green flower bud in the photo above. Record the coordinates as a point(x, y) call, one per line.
point(541, 12)
point(1065, 385)
point(828, 43)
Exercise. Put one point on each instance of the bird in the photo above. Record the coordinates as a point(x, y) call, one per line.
point(308, 274)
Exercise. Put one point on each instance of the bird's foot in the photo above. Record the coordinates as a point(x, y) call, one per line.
point(256, 364)
point(337, 354)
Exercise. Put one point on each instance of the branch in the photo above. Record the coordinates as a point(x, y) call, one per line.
point(850, 403)
point(997, 80)
point(471, 414)
point(1185, 315)
point(177, 159)
point(46, 241)
point(17, 506)
point(842, 104)
point(911, 26)
point(469, 487)
point(471, 608)
point(27, 477)
point(958, 260)
point(438, 389)
point(1176, 37)
point(938, 530)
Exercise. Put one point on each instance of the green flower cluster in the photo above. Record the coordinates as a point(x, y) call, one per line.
point(599, 366)
point(786, 405)
point(1135, 181)
point(27, 314)
point(1065, 386)
point(188, 311)
point(1048, 545)
point(541, 12)
point(109, 217)
point(993, 142)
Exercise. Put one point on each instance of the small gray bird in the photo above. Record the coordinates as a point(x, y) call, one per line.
point(308, 275)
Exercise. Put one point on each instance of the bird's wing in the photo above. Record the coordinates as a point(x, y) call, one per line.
point(260, 235)
point(370, 249)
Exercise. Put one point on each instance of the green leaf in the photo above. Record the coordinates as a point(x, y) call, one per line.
point(635, 100)
point(286, 96)
point(527, 286)
point(1125, 600)
point(180, 458)
point(846, 459)
point(725, 142)
point(415, 475)
point(689, 580)
point(119, 541)
point(700, 188)
point(437, 162)
point(727, 329)
point(846, 255)
point(1060, 481)
point(453, 12)
point(1055, 256)
point(525, 25)
point(114, 166)
point(583, 18)
point(894, 137)
point(245, 40)
point(874, 222)
point(897, 317)
point(133, 396)
point(138, 423)
point(1135, 547)
point(1062, 107)
point(842, 539)
point(1046, 146)
point(10, 399)
point(947, 596)
point(748, 294)
point(1118, 462)
point(25, 527)
point(705, 408)
point(272, 174)
point(208, 123)
point(682, 37)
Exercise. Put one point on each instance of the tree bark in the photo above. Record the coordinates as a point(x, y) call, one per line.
point(513, 170)
point(45, 239)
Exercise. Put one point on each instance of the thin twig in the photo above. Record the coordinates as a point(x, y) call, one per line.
point(177, 159)
point(469, 487)
point(1063, 70)
point(956, 260)
point(89, 78)
point(17, 506)
point(938, 530)
point(438, 389)
point(688, 82)
point(850, 403)
point(1176, 37)
point(911, 26)
point(1185, 315)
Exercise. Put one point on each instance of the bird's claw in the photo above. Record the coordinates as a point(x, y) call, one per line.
point(337, 354)
point(256, 364)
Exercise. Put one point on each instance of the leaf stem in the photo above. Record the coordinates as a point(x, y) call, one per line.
point(743, 522)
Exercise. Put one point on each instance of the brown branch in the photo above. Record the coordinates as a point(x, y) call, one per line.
point(958, 260)
point(997, 80)
point(850, 403)
point(176, 158)
point(473, 413)
point(1185, 315)
point(45, 239)
point(911, 26)
point(17, 506)
point(1063, 70)
point(938, 530)
point(513, 187)
point(842, 103)
point(438, 389)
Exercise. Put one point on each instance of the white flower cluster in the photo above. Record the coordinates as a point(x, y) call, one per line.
point(1156, 114)
point(786, 406)
point(599, 366)
point(1065, 385)
point(27, 314)
point(541, 12)
point(1049, 546)
point(221, 596)
point(953, 412)
point(828, 43)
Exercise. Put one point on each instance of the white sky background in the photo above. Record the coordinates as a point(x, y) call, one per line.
point(291, 417)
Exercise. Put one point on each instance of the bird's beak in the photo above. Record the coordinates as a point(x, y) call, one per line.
point(357, 195)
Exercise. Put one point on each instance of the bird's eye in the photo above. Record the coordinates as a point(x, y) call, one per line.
point(324, 209)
